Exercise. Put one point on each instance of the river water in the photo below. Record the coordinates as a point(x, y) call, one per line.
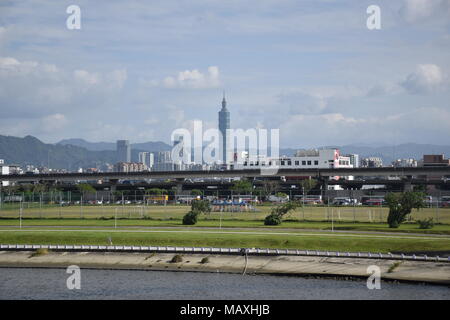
point(35, 283)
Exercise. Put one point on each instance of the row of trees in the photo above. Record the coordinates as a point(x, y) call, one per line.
point(268, 187)
point(400, 206)
point(243, 186)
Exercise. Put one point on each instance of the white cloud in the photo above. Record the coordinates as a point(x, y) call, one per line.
point(192, 79)
point(340, 129)
point(53, 122)
point(315, 100)
point(35, 89)
point(416, 10)
point(427, 78)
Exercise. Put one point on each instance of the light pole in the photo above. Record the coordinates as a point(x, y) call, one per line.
point(20, 216)
point(303, 202)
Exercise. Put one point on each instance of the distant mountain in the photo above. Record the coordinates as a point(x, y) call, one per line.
point(91, 146)
point(30, 150)
point(111, 146)
point(75, 153)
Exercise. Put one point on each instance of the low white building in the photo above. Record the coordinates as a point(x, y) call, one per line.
point(306, 159)
point(4, 169)
point(303, 159)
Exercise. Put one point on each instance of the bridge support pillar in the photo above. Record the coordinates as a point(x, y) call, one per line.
point(113, 183)
point(179, 185)
point(324, 184)
point(407, 185)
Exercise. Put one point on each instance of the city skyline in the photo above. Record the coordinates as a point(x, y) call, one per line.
point(296, 65)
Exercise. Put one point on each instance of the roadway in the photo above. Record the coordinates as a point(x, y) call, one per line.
point(248, 173)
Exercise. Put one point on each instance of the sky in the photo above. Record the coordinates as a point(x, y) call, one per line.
point(138, 70)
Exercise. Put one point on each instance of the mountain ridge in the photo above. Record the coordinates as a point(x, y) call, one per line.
point(72, 154)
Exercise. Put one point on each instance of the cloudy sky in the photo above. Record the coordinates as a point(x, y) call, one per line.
point(138, 70)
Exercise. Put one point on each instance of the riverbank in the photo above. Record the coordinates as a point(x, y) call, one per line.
point(412, 271)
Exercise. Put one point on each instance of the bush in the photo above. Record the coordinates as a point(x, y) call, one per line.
point(40, 252)
point(426, 224)
point(204, 260)
point(190, 218)
point(393, 224)
point(177, 258)
point(394, 266)
point(272, 220)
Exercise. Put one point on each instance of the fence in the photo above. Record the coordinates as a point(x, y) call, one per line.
point(71, 205)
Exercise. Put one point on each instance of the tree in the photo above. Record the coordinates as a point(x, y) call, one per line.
point(281, 195)
point(269, 186)
point(85, 188)
point(278, 212)
point(308, 185)
point(201, 206)
point(38, 188)
point(197, 207)
point(156, 191)
point(196, 192)
point(401, 204)
point(242, 186)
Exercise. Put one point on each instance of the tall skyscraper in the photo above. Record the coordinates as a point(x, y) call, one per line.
point(163, 161)
point(123, 151)
point(224, 124)
point(147, 158)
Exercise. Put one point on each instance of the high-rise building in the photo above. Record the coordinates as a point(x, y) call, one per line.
point(147, 159)
point(354, 160)
point(123, 151)
point(164, 161)
point(372, 162)
point(151, 160)
point(143, 157)
point(224, 124)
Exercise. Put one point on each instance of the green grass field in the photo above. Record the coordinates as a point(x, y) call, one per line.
point(310, 241)
point(310, 213)
point(95, 224)
point(215, 222)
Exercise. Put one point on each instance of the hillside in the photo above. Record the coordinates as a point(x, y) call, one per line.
point(72, 154)
point(102, 146)
point(30, 150)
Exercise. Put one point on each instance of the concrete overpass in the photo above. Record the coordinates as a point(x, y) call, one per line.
point(409, 173)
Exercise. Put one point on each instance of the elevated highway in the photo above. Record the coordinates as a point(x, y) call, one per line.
point(422, 172)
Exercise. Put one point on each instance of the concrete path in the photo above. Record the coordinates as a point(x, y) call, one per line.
point(433, 272)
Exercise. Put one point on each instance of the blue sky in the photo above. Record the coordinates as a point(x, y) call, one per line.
point(138, 70)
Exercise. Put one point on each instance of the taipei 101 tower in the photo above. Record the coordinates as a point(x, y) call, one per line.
point(224, 124)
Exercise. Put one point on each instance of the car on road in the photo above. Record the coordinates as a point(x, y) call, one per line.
point(342, 201)
point(445, 202)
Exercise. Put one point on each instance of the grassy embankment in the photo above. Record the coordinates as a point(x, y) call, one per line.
point(340, 242)
point(314, 218)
